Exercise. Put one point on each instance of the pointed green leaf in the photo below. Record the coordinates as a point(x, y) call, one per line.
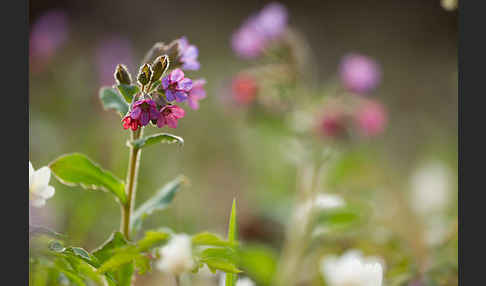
point(116, 240)
point(224, 253)
point(232, 237)
point(158, 202)
point(207, 238)
point(152, 239)
point(112, 100)
point(221, 264)
point(157, 138)
point(128, 91)
point(78, 170)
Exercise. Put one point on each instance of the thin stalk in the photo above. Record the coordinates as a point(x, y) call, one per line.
point(131, 184)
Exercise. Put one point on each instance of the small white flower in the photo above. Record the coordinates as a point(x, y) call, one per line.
point(39, 188)
point(245, 281)
point(321, 202)
point(449, 5)
point(352, 269)
point(431, 188)
point(176, 255)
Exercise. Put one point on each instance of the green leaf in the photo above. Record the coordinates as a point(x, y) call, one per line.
point(232, 237)
point(78, 170)
point(259, 262)
point(37, 230)
point(112, 100)
point(120, 258)
point(224, 253)
point(207, 238)
point(157, 138)
point(116, 240)
point(158, 202)
point(128, 91)
point(221, 264)
point(152, 239)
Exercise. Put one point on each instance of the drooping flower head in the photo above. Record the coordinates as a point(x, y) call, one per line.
point(176, 255)
point(142, 112)
point(352, 269)
point(359, 73)
point(259, 30)
point(371, 118)
point(197, 93)
point(187, 55)
point(39, 188)
point(169, 115)
point(176, 86)
point(244, 89)
point(48, 34)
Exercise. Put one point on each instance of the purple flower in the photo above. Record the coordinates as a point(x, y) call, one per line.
point(48, 34)
point(359, 74)
point(144, 110)
point(259, 30)
point(188, 55)
point(176, 86)
point(197, 93)
point(111, 52)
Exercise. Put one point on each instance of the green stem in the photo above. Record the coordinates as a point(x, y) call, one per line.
point(131, 184)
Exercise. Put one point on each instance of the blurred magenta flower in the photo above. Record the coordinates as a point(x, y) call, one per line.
point(176, 86)
point(169, 116)
point(359, 74)
point(188, 55)
point(333, 124)
point(49, 32)
point(371, 118)
point(111, 52)
point(197, 93)
point(244, 89)
point(259, 30)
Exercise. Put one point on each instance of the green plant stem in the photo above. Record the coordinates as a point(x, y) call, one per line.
point(131, 184)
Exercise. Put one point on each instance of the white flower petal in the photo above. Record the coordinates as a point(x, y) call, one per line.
point(38, 202)
point(40, 179)
point(31, 172)
point(46, 192)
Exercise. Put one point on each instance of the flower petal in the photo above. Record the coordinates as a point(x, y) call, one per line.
point(144, 118)
point(177, 111)
point(40, 179)
point(185, 84)
point(135, 114)
point(171, 121)
point(180, 96)
point(176, 75)
point(165, 82)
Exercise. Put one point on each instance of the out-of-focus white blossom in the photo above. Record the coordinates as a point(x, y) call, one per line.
point(449, 5)
point(352, 269)
point(39, 188)
point(245, 281)
point(321, 202)
point(431, 188)
point(176, 255)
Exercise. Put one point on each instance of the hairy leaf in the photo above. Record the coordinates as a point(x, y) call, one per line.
point(157, 138)
point(112, 100)
point(78, 170)
point(128, 91)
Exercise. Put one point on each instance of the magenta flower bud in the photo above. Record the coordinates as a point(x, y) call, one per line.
point(169, 115)
point(142, 112)
point(359, 74)
point(176, 86)
point(371, 118)
point(197, 93)
point(333, 124)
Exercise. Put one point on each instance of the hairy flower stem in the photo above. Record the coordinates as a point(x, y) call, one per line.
point(131, 184)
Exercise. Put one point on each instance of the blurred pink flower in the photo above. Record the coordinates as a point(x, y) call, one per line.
point(111, 52)
point(359, 74)
point(197, 93)
point(372, 118)
point(259, 29)
point(333, 124)
point(244, 89)
point(48, 33)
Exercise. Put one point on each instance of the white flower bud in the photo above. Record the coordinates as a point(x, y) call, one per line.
point(39, 188)
point(176, 256)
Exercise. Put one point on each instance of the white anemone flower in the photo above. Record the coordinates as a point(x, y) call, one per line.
point(245, 281)
point(352, 269)
point(431, 188)
point(39, 188)
point(176, 255)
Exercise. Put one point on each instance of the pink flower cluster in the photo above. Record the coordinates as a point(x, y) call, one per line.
point(176, 87)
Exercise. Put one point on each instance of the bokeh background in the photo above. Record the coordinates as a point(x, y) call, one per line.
point(225, 155)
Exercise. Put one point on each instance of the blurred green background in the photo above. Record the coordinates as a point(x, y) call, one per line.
point(226, 155)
